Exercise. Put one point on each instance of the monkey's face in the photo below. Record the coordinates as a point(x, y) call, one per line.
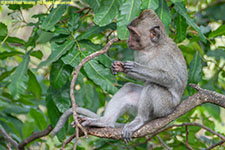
point(146, 31)
point(143, 37)
point(134, 41)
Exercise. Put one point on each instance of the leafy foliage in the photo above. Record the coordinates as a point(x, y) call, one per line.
point(35, 69)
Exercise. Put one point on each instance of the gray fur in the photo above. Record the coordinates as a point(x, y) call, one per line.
point(160, 64)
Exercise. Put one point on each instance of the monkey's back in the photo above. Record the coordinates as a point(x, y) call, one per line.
point(167, 57)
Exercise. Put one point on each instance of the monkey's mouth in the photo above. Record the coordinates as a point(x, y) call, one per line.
point(135, 47)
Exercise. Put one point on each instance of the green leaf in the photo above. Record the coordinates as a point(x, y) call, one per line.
point(39, 118)
point(19, 78)
point(107, 12)
point(195, 72)
point(74, 22)
point(217, 54)
point(60, 30)
point(73, 58)
point(95, 30)
point(218, 32)
point(164, 14)
point(59, 74)
point(13, 40)
point(100, 75)
point(38, 54)
point(5, 55)
point(180, 8)
point(28, 127)
point(53, 17)
point(213, 110)
point(128, 10)
point(88, 46)
point(14, 7)
point(181, 28)
point(61, 97)
point(16, 109)
point(90, 100)
point(44, 37)
point(94, 4)
point(105, 60)
point(3, 29)
point(53, 112)
point(33, 85)
point(150, 4)
point(57, 52)
point(11, 123)
point(6, 74)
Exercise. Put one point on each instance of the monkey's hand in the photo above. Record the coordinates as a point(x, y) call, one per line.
point(117, 66)
point(130, 66)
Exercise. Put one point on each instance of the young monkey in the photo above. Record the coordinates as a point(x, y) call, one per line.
point(160, 64)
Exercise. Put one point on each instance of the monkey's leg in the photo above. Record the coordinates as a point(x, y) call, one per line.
point(145, 110)
point(164, 103)
point(155, 101)
point(124, 100)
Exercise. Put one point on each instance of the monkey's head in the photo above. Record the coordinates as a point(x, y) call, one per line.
point(146, 30)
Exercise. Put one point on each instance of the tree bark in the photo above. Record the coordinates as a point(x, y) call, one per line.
point(201, 97)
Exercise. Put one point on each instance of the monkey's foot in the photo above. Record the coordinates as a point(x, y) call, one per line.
point(80, 120)
point(127, 133)
point(96, 123)
point(130, 128)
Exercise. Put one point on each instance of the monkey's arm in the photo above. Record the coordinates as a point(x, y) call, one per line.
point(155, 75)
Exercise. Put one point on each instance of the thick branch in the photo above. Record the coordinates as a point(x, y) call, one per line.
point(201, 97)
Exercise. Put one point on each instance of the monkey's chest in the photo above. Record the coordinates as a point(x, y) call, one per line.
point(145, 59)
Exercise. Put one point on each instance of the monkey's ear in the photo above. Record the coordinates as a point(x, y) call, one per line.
point(133, 31)
point(154, 34)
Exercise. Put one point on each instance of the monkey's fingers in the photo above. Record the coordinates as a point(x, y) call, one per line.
point(114, 72)
point(126, 135)
point(127, 138)
point(80, 120)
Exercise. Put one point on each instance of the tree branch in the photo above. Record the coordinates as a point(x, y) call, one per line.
point(75, 75)
point(21, 145)
point(7, 137)
point(163, 143)
point(215, 145)
point(34, 136)
point(201, 97)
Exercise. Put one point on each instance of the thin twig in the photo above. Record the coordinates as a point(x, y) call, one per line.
point(7, 137)
point(77, 137)
point(107, 37)
point(75, 75)
point(68, 141)
point(194, 124)
point(163, 143)
point(9, 146)
point(186, 141)
point(81, 10)
point(215, 145)
point(34, 136)
point(84, 4)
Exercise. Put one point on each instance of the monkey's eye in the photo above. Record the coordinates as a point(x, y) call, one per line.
point(137, 40)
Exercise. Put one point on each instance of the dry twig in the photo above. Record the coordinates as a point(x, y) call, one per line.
point(186, 141)
point(75, 75)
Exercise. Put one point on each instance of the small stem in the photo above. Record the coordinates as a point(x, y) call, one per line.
point(186, 141)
